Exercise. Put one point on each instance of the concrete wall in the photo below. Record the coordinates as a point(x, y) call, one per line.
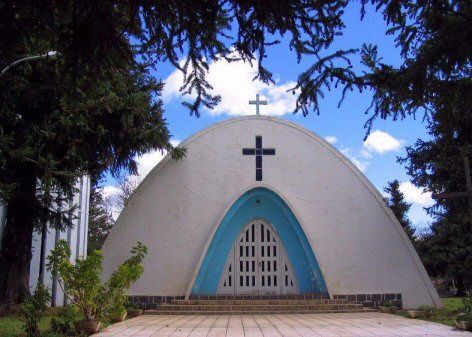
point(359, 245)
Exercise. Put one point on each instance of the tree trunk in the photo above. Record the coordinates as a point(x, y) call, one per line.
point(460, 285)
point(15, 256)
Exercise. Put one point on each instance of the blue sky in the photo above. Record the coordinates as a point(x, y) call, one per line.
point(376, 157)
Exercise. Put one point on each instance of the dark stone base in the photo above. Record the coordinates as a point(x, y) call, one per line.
point(368, 300)
point(151, 302)
point(372, 300)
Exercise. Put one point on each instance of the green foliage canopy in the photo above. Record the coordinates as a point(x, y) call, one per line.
point(100, 218)
point(95, 106)
point(400, 207)
point(434, 78)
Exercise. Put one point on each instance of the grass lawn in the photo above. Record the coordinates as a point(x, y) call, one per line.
point(446, 315)
point(11, 326)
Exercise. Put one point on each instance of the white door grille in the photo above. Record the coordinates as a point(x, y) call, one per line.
point(258, 263)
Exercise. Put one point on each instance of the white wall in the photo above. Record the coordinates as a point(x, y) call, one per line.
point(359, 245)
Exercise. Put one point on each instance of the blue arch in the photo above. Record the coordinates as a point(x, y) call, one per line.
point(260, 203)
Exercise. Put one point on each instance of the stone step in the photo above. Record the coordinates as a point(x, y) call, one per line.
point(314, 296)
point(233, 305)
point(270, 307)
point(260, 302)
point(238, 307)
point(239, 312)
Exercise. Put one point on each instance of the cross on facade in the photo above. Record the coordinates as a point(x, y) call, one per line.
point(464, 194)
point(258, 151)
point(257, 103)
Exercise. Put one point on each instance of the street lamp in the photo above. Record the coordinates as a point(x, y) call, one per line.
point(51, 53)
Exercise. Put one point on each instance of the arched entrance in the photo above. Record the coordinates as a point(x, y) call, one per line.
point(259, 203)
point(258, 263)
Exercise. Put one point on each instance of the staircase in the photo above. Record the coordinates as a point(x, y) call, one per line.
point(231, 306)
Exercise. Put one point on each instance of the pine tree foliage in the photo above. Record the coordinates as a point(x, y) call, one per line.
point(437, 165)
point(100, 218)
point(400, 207)
point(204, 31)
point(95, 105)
point(91, 108)
point(434, 78)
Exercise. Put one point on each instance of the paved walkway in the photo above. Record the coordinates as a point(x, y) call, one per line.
point(286, 325)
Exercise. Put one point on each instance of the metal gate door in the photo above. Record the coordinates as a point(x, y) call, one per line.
point(258, 264)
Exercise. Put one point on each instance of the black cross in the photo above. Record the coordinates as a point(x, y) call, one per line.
point(258, 151)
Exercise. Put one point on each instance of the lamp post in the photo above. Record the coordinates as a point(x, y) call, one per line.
point(51, 54)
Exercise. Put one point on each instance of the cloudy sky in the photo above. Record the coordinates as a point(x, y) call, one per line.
point(343, 127)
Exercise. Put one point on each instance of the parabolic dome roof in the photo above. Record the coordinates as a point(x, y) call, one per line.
point(333, 223)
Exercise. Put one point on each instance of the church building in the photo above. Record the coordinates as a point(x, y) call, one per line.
point(263, 207)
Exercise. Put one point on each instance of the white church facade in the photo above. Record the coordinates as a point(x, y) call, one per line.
point(261, 206)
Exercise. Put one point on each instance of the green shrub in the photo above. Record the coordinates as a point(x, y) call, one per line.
point(117, 310)
point(81, 281)
point(33, 310)
point(467, 302)
point(428, 310)
point(387, 304)
point(62, 322)
point(129, 305)
point(118, 307)
point(467, 309)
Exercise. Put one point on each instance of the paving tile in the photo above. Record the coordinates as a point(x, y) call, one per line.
point(281, 325)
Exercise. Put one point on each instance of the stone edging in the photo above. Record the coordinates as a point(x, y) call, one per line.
point(372, 300)
point(151, 302)
point(368, 300)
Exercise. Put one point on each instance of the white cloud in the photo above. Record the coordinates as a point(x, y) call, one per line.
point(420, 219)
point(363, 153)
point(419, 199)
point(357, 158)
point(416, 195)
point(331, 139)
point(110, 191)
point(382, 142)
point(377, 142)
point(233, 81)
point(110, 195)
point(361, 164)
point(145, 163)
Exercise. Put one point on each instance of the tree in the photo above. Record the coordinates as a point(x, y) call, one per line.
point(435, 80)
point(90, 109)
point(435, 41)
point(446, 252)
point(100, 219)
point(126, 185)
point(94, 106)
point(437, 165)
point(53, 141)
point(400, 207)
